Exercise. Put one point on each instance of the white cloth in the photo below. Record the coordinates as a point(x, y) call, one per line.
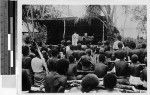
point(67, 48)
point(37, 64)
point(135, 80)
point(115, 45)
point(75, 38)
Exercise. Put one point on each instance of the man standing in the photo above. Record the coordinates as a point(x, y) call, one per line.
point(75, 38)
point(115, 45)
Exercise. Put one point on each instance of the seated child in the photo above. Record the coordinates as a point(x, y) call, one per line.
point(109, 82)
point(100, 68)
point(89, 82)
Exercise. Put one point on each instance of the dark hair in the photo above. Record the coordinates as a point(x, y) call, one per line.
point(110, 81)
point(27, 40)
point(51, 65)
point(37, 54)
point(25, 50)
point(71, 58)
point(85, 62)
point(33, 49)
point(107, 42)
point(132, 45)
point(120, 45)
point(97, 50)
point(120, 54)
point(79, 46)
point(54, 52)
point(62, 66)
point(89, 82)
point(143, 46)
point(134, 58)
point(101, 57)
point(113, 57)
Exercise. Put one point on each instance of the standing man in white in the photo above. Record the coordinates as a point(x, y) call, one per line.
point(75, 38)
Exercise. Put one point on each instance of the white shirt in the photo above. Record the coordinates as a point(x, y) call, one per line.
point(75, 38)
point(115, 45)
point(37, 64)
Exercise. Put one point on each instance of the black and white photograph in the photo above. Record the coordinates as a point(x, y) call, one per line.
point(83, 48)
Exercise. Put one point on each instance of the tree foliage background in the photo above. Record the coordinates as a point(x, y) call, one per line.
point(42, 12)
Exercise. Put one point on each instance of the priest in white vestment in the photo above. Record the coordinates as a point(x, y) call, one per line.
point(75, 38)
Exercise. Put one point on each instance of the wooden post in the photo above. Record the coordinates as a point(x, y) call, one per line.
point(64, 29)
point(103, 33)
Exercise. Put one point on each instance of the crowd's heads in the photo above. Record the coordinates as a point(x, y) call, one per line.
point(110, 81)
point(79, 46)
point(120, 54)
point(143, 46)
point(113, 57)
point(101, 58)
point(85, 62)
point(132, 45)
point(120, 45)
point(33, 49)
point(89, 82)
point(51, 65)
point(25, 50)
point(97, 51)
point(88, 51)
point(71, 59)
point(54, 52)
point(62, 66)
point(134, 58)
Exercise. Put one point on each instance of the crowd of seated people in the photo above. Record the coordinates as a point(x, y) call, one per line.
point(89, 68)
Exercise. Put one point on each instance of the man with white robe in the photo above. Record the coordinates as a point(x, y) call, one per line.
point(75, 38)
